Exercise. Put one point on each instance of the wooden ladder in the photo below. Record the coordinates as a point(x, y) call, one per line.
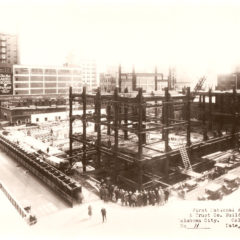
point(184, 155)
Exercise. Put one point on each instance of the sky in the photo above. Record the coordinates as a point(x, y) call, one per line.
point(196, 37)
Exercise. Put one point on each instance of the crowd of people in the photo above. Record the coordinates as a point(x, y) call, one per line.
point(156, 196)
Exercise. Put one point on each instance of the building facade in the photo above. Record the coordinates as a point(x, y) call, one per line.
point(22, 115)
point(89, 74)
point(147, 81)
point(107, 82)
point(8, 50)
point(45, 80)
point(228, 81)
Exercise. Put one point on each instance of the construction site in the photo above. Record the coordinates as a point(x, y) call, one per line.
point(147, 140)
point(134, 143)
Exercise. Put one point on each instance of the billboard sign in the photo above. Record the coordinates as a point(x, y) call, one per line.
point(6, 84)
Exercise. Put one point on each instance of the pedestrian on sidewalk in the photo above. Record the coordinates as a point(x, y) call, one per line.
point(166, 193)
point(90, 211)
point(104, 214)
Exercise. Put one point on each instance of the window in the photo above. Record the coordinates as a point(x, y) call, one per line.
point(62, 90)
point(50, 85)
point(64, 72)
point(36, 91)
point(37, 119)
point(37, 78)
point(50, 71)
point(50, 91)
point(22, 78)
point(77, 79)
point(64, 79)
point(48, 78)
point(21, 70)
point(36, 71)
point(21, 85)
point(59, 117)
point(36, 85)
point(21, 92)
point(61, 84)
point(76, 72)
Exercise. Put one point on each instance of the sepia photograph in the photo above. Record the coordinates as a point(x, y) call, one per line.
point(119, 119)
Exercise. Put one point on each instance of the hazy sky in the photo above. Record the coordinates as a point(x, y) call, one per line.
point(196, 38)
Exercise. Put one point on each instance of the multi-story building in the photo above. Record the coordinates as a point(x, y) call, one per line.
point(107, 82)
point(147, 81)
point(45, 80)
point(89, 73)
point(8, 50)
point(88, 70)
point(228, 81)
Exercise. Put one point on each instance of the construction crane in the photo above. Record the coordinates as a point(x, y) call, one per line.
point(199, 84)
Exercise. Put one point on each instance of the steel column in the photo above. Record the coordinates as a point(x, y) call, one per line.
point(140, 136)
point(84, 127)
point(98, 119)
point(204, 127)
point(108, 119)
point(210, 109)
point(188, 117)
point(116, 122)
point(120, 77)
point(70, 122)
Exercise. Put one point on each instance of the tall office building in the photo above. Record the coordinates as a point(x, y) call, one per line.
point(8, 50)
point(89, 73)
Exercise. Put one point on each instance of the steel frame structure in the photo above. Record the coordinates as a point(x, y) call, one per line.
point(126, 114)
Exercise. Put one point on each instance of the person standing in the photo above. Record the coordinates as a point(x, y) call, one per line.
point(162, 196)
point(156, 191)
point(126, 198)
point(144, 198)
point(104, 214)
point(166, 193)
point(90, 211)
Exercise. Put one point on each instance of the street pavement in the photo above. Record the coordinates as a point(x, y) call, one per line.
point(56, 220)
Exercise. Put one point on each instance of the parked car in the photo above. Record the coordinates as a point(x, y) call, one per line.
point(190, 184)
point(212, 192)
point(231, 183)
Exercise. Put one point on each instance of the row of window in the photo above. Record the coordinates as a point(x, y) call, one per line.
point(4, 49)
point(4, 56)
point(40, 91)
point(40, 78)
point(56, 118)
point(3, 44)
point(47, 85)
point(47, 71)
point(5, 61)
